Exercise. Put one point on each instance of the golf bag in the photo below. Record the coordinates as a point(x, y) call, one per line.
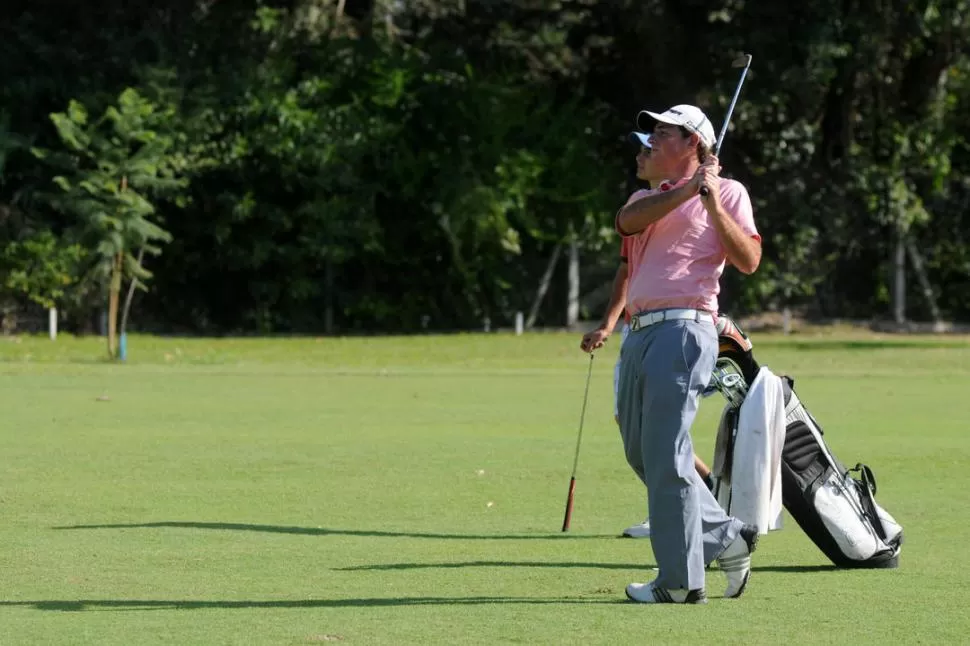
point(837, 510)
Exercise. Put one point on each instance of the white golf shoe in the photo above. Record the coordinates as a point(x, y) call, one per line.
point(640, 530)
point(649, 593)
point(735, 561)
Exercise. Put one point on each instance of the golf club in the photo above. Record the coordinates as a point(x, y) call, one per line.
point(744, 61)
point(572, 480)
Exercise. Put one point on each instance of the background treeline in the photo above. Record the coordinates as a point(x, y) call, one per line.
point(394, 165)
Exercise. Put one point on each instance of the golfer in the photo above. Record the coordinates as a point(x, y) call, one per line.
point(595, 339)
point(682, 242)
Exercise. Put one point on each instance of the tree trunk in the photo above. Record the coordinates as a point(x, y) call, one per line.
point(129, 296)
point(572, 299)
point(114, 294)
point(543, 286)
point(899, 281)
point(924, 281)
point(114, 290)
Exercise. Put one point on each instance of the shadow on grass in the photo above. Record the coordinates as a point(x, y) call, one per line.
point(552, 564)
point(797, 568)
point(78, 605)
point(445, 566)
point(327, 531)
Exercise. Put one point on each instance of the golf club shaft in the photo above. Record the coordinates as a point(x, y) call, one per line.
point(582, 415)
point(579, 439)
point(727, 119)
point(730, 112)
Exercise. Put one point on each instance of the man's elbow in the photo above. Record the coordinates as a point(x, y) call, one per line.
point(626, 224)
point(622, 221)
point(749, 264)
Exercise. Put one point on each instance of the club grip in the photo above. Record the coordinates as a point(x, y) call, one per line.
point(569, 505)
point(705, 191)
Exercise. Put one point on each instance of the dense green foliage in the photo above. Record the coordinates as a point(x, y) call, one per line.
point(340, 165)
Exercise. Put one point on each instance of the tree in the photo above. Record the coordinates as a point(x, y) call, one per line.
point(384, 165)
point(109, 171)
point(40, 267)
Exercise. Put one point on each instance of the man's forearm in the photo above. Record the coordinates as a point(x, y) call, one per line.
point(637, 216)
point(617, 299)
point(743, 251)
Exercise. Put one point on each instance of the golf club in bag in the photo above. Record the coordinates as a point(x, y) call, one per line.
point(836, 509)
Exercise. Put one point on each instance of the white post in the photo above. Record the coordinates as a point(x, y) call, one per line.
point(519, 323)
point(572, 298)
point(52, 322)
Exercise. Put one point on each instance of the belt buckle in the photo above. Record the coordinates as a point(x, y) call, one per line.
point(635, 323)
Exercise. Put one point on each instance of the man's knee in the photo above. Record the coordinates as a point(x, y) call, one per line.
point(633, 451)
point(669, 451)
point(634, 456)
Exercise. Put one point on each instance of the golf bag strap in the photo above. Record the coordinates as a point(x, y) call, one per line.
point(867, 490)
point(867, 477)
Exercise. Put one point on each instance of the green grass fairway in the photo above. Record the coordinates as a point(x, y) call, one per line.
point(411, 491)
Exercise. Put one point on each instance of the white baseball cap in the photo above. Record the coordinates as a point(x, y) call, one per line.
point(644, 138)
point(689, 116)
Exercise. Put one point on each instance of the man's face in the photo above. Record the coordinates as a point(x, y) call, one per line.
point(671, 147)
point(646, 168)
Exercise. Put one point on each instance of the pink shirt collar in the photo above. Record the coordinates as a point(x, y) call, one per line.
point(666, 184)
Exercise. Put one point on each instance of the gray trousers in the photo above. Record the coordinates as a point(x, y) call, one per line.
point(663, 369)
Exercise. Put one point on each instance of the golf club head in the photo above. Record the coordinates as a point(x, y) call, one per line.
point(742, 61)
point(728, 379)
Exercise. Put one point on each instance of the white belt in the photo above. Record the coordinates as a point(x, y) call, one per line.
point(646, 319)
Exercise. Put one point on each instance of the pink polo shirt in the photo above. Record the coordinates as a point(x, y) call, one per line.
point(626, 250)
point(678, 260)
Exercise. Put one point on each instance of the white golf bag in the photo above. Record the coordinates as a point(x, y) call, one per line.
point(836, 509)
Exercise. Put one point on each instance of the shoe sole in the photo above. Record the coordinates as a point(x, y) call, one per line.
point(702, 602)
point(744, 584)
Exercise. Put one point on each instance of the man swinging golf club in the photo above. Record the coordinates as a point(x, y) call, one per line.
point(683, 241)
point(595, 339)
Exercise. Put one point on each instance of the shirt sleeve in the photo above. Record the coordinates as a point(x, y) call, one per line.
point(633, 198)
point(626, 246)
point(737, 203)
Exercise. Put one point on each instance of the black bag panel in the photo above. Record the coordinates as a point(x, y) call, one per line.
point(800, 449)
